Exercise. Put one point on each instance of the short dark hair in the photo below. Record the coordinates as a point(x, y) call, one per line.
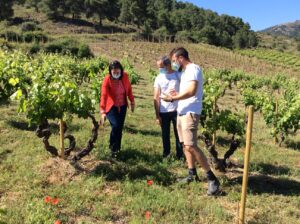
point(180, 51)
point(172, 52)
point(165, 60)
point(115, 65)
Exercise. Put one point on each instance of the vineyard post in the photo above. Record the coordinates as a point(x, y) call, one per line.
point(61, 138)
point(246, 166)
point(276, 115)
point(246, 108)
point(214, 115)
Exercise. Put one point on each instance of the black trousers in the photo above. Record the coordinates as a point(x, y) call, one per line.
point(166, 120)
point(116, 119)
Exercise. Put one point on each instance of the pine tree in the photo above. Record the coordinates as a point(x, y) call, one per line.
point(125, 15)
point(104, 9)
point(6, 10)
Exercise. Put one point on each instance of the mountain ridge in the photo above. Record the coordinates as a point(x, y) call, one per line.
point(289, 29)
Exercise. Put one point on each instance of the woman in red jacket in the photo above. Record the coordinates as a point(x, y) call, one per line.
point(115, 92)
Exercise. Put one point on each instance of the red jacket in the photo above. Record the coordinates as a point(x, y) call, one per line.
point(108, 92)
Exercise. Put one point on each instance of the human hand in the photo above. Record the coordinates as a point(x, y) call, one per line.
point(173, 92)
point(103, 119)
point(158, 121)
point(167, 98)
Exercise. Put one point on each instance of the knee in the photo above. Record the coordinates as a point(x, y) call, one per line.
point(116, 128)
point(188, 148)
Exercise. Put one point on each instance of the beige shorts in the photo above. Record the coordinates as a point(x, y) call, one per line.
point(187, 127)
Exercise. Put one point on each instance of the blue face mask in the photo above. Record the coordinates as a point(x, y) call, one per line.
point(175, 66)
point(163, 71)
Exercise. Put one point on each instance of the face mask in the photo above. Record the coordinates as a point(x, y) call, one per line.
point(163, 71)
point(175, 66)
point(116, 76)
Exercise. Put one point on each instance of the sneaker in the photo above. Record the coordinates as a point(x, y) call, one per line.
point(114, 155)
point(213, 187)
point(189, 179)
point(180, 157)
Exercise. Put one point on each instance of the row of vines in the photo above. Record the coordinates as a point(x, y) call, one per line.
point(276, 98)
point(274, 57)
point(55, 87)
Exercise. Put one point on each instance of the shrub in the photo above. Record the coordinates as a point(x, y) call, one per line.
point(10, 35)
point(183, 36)
point(35, 48)
point(4, 44)
point(35, 36)
point(84, 51)
point(29, 26)
point(69, 46)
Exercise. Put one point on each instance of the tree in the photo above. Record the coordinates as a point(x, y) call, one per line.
point(125, 16)
point(75, 7)
point(51, 8)
point(252, 39)
point(240, 39)
point(6, 10)
point(297, 39)
point(108, 9)
point(225, 39)
point(138, 12)
point(34, 4)
point(209, 35)
point(146, 29)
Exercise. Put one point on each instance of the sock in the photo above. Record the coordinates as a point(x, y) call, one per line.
point(210, 175)
point(192, 172)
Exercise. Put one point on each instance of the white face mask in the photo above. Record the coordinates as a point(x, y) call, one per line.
point(116, 76)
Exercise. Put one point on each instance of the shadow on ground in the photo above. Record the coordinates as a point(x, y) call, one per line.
point(262, 184)
point(132, 164)
point(133, 130)
point(291, 144)
point(269, 169)
point(21, 125)
point(4, 154)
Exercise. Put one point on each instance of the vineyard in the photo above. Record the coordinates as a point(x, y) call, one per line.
point(275, 57)
point(143, 53)
point(36, 92)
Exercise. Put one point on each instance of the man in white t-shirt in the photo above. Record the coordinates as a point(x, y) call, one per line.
point(189, 109)
point(166, 113)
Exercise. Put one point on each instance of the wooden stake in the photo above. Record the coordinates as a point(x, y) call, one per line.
point(276, 114)
point(246, 165)
point(214, 141)
point(62, 145)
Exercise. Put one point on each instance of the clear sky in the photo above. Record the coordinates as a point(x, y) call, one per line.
point(260, 14)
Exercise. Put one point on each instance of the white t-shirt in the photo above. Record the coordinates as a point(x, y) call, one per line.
point(166, 82)
point(193, 104)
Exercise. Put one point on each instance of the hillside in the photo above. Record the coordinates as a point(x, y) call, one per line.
point(291, 29)
point(150, 19)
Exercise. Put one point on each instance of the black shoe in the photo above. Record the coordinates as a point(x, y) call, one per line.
point(189, 179)
point(181, 158)
point(114, 155)
point(213, 187)
point(166, 155)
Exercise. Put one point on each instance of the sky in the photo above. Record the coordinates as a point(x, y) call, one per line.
point(260, 14)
